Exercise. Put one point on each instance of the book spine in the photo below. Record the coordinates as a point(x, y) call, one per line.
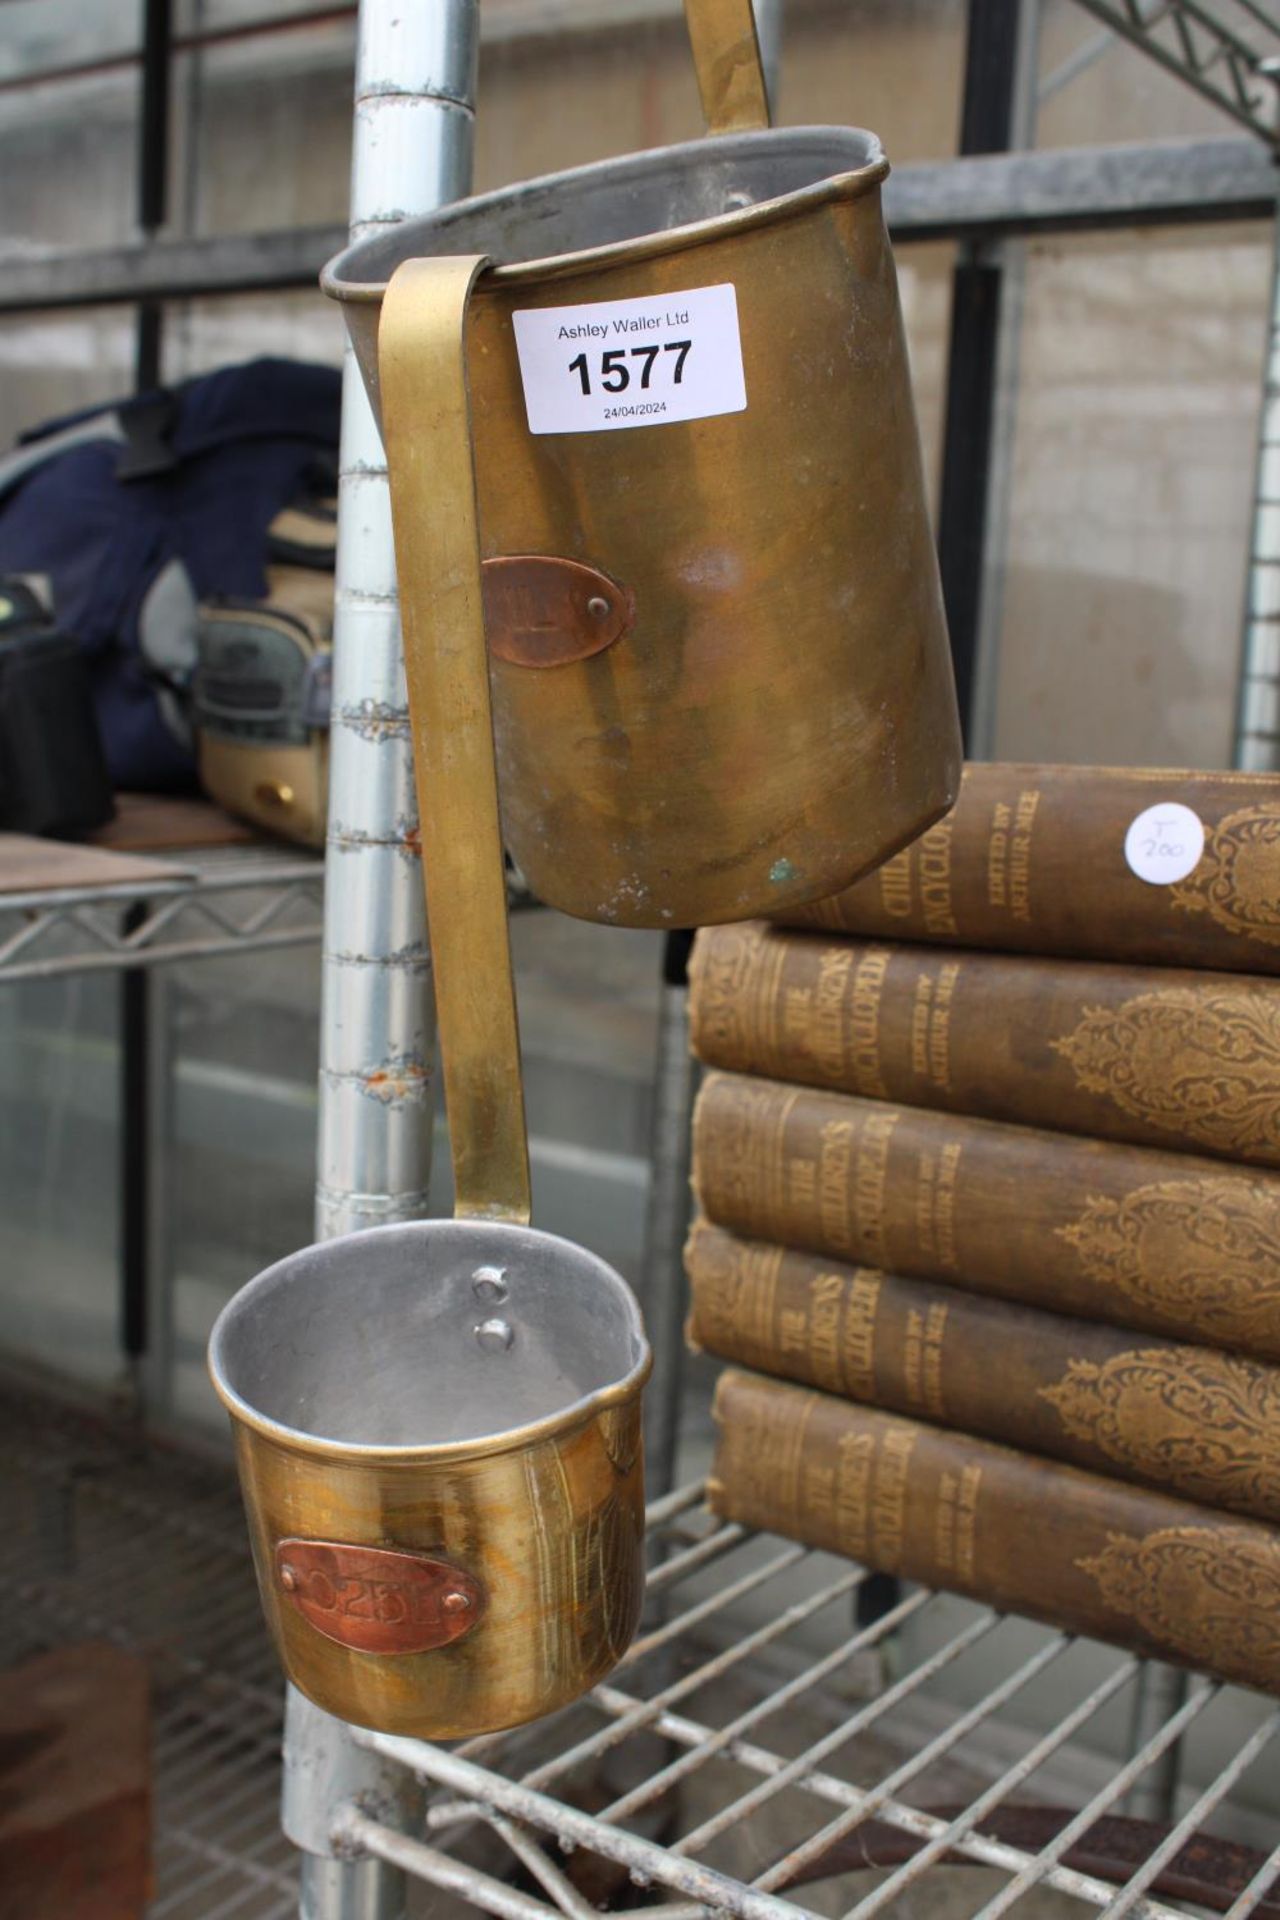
point(1033, 859)
point(1163, 1243)
point(1089, 1555)
point(1193, 1422)
point(1155, 1056)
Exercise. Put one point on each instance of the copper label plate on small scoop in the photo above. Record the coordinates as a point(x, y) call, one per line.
point(375, 1599)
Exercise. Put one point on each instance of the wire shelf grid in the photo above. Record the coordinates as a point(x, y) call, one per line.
point(109, 1538)
point(760, 1752)
point(734, 1797)
point(223, 901)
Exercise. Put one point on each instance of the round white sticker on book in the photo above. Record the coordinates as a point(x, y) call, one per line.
point(1164, 843)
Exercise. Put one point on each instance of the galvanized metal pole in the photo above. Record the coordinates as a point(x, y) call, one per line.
point(663, 1295)
point(1160, 1693)
point(415, 92)
point(414, 116)
point(324, 1772)
point(986, 123)
point(769, 35)
point(1004, 410)
point(1257, 738)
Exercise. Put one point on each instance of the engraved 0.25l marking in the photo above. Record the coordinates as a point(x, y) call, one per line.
point(377, 1599)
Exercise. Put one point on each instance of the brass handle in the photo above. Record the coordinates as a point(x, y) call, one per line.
point(426, 416)
point(726, 56)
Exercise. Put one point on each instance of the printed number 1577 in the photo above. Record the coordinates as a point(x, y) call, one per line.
point(614, 373)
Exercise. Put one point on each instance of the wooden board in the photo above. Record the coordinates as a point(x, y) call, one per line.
point(156, 822)
point(29, 865)
point(75, 1786)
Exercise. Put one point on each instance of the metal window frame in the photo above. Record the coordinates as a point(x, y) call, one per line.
point(987, 197)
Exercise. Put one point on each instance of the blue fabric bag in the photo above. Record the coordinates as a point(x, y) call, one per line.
point(135, 513)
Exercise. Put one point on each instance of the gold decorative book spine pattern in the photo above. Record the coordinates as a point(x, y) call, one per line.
point(1031, 859)
point(1190, 1421)
point(1140, 1568)
point(1149, 1055)
point(1161, 1243)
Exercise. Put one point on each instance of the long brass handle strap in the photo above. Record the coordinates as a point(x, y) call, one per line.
point(726, 58)
point(426, 418)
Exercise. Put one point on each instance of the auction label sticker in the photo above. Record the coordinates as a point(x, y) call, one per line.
point(1164, 843)
point(631, 363)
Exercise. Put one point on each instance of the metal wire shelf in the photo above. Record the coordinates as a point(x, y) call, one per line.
point(227, 900)
point(757, 1753)
point(756, 1799)
point(107, 1537)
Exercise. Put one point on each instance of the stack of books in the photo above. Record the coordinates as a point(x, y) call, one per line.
point(989, 1210)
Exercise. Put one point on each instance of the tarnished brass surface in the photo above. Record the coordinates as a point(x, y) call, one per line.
point(550, 1531)
point(782, 715)
point(777, 716)
point(428, 437)
point(448, 1535)
point(726, 55)
point(543, 612)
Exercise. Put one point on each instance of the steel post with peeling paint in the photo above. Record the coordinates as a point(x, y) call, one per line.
point(325, 1771)
point(769, 37)
point(414, 113)
point(414, 116)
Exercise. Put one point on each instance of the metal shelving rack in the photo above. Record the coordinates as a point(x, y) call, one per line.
point(750, 1677)
point(196, 904)
point(225, 900)
point(104, 1538)
point(738, 1760)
